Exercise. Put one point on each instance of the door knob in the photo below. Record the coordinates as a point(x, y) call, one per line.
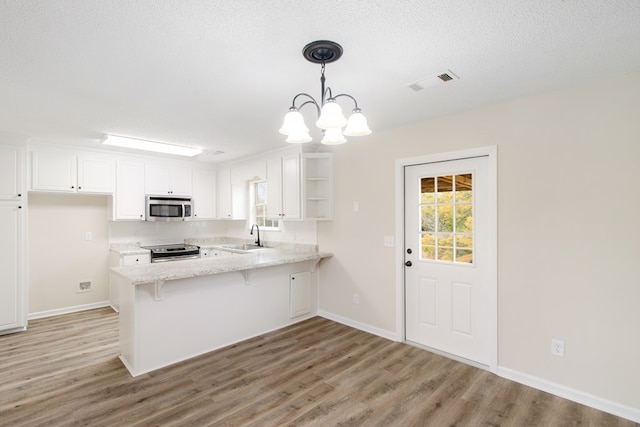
point(408, 264)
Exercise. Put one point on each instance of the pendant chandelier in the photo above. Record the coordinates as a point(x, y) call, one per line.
point(330, 117)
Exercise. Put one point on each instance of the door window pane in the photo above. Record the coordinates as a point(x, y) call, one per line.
point(428, 215)
point(446, 216)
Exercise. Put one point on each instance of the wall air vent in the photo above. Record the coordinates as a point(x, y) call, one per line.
point(431, 81)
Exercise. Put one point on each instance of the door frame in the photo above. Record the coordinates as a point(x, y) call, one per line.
point(492, 153)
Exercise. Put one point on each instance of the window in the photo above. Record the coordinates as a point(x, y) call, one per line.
point(446, 215)
point(259, 206)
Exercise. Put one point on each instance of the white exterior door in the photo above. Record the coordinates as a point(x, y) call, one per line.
point(449, 261)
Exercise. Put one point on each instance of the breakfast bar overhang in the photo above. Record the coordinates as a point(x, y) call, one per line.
point(171, 312)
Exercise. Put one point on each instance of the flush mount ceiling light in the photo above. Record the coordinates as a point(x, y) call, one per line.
point(143, 144)
point(330, 117)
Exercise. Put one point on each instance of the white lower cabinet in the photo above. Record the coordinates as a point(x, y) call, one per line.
point(13, 304)
point(212, 253)
point(299, 294)
point(117, 260)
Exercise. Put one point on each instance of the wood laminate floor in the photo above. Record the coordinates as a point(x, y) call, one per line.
point(65, 371)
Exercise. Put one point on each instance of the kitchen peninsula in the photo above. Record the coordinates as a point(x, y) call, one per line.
point(173, 311)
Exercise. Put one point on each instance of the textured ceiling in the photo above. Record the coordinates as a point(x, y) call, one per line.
point(221, 74)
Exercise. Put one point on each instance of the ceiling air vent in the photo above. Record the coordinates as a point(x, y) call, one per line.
point(430, 81)
point(212, 153)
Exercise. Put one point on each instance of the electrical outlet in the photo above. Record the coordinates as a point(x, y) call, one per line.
point(356, 299)
point(557, 348)
point(388, 241)
point(88, 235)
point(83, 287)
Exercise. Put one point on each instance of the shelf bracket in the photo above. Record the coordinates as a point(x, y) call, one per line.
point(313, 263)
point(245, 274)
point(158, 290)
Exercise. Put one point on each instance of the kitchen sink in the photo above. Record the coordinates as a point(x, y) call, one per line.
point(243, 247)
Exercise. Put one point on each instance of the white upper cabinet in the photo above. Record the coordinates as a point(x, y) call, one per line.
point(168, 179)
point(283, 187)
point(70, 173)
point(129, 199)
point(204, 193)
point(223, 193)
point(11, 184)
point(96, 175)
point(232, 194)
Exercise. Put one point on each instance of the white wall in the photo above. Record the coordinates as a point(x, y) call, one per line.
point(302, 232)
point(59, 255)
point(568, 231)
point(162, 232)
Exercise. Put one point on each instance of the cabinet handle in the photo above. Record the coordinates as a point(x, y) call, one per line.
point(19, 194)
point(19, 207)
point(79, 188)
point(73, 186)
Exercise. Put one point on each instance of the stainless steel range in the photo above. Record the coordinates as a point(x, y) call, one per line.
point(175, 252)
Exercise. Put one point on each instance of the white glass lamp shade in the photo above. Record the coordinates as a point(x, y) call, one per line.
point(331, 116)
point(293, 123)
point(333, 137)
point(299, 137)
point(357, 125)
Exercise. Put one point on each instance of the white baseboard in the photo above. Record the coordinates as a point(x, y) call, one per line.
point(67, 310)
point(578, 396)
point(362, 326)
point(565, 392)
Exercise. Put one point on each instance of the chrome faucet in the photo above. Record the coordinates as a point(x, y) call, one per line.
point(258, 233)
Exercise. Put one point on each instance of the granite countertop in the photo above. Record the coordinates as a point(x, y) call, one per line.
point(268, 257)
point(128, 249)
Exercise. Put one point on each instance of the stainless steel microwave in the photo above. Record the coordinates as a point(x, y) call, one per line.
point(169, 208)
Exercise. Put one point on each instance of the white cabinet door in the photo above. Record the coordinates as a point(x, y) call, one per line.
point(12, 287)
point(181, 181)
point(290, 187)
point(239, 195)
point(283, 187)
point(156, 179)
point(274, 188)
point(96, 175)
point(11, 185)
point(204, 193)
point(54, 171)
point(164, 179)
point(299, 294)
point(223, 193)
point(135, 259)
point(129, 197)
